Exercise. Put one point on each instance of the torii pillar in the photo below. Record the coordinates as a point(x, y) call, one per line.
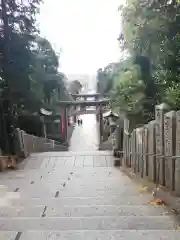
point(74, 116)
point(101, 129)
point(96, 98)
point(64, 123)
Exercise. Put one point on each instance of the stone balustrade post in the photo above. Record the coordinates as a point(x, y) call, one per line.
point(130, 150)
point(151, 150)
point(18, 143)
point(145, 151)
point(75, 117)
point(125, 141)
point(170, 148)
point(160, 110)
point(101, 129)
point(177, 161)
point(117, 138)
point(133, 150)
point(139, 142)
point(24, 143)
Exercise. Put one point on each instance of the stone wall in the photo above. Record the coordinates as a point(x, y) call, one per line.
point(153, 150)
point(26, 144)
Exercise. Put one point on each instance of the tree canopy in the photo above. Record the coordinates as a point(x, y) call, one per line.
point(151, 38)
point(75, 87)
point(29, 75)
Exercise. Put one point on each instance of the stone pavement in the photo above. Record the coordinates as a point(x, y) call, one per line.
point(78, 195)
point(85, 137)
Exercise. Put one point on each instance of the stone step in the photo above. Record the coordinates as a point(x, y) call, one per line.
point(10, 235)
point(73, 201)
point(37, 193)
point(82, 211)
point(96, 175)
point(108, 210)
point(70, 185)
point(12, 212)
point(74, 153)
point(88, 223)
point(79, 180)
point(100, 235)
point(52, 163)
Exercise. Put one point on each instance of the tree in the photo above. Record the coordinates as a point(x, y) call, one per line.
point(29, 76)
point(128, 95)
point(75, 87)
point(151, 40)
point(151, 30)
point(105, 78)
point(46, 77)
point(17, 29)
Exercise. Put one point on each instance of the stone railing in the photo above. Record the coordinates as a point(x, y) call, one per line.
point(27, 144)
point(153, 150)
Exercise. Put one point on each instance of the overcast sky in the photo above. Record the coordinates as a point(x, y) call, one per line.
point(85, 30)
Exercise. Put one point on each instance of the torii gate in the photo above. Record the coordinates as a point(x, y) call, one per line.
point(65, 106)
point(84, 97)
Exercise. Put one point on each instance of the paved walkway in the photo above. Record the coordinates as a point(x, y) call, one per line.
point(85, 137)
point(78, 196)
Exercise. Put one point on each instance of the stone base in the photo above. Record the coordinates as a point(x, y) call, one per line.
point(117, 162)
point(117, 153)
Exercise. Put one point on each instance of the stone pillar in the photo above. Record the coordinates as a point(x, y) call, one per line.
point(84, 108)
point(97, 113)
point(130, 150)
point(133, 150)
point(118, 138)
point(45, 130)
point(74, 116)
point(160, 110)
point(138, 149)
point(100, 124)
point(24, 143)
point(145, 151)
point(170, 148)
point(19, 147)
point(118, 141)
point(43, 126)
point(177, 161)
point(66, 123)
point(139, 139)
point(128, 155)
point(125, 141)
point(151, 151)
point(96, 99)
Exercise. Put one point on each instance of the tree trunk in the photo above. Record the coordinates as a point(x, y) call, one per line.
point(6, 121)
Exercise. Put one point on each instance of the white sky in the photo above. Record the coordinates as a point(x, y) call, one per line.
point(85, 30)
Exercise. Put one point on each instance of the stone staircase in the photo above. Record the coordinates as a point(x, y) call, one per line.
point(78, 195)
